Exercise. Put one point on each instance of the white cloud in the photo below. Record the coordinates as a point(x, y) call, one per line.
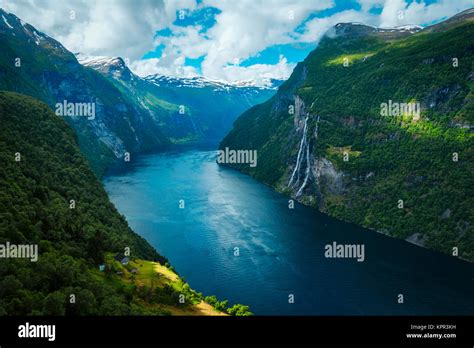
point(369, 4)
point(399, 12)
point(392, 13)
point(242, 29)
point(260, 73)
point(315, 29)
point(186, 42)
point(152, 66)
point(246, 27)
point(123, 28)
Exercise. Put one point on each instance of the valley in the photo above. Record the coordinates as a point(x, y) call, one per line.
point(242, 241)
point(310, 196)
point(131, 114)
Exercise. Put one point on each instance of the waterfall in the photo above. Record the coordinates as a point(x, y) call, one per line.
point(303, 158)
point(308, 167)
point(299, 157)
point(308, 162)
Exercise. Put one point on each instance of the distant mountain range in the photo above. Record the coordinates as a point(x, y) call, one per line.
point(132, 114)
point(200, 82)
point(186, 109)
point(328, 139)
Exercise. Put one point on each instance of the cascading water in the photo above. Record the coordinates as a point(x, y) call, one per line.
point(308, 161)
point(299, 158)
point(303, 159)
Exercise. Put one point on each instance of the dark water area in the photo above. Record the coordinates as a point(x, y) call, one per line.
point(281, 251)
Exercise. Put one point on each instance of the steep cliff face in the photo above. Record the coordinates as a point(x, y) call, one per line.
point(375, 127)
point(37, 65)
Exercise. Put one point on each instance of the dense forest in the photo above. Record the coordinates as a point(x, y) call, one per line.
point(43, 175)
point(408, 177)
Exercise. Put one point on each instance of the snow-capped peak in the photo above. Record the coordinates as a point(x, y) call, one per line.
point(266, 83)
point(118, 66)
point(400, 27)
point(114, 66)
point(98, 60)
point(194, 82)
point(360, 29)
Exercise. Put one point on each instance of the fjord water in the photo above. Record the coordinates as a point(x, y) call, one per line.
point(281, 250)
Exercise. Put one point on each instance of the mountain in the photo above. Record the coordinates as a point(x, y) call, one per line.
point(33, 63)
point(354, 30)
point(51, 202)
point(128, 114)
point(186, 109)
point(375, 127)
point(219, 86)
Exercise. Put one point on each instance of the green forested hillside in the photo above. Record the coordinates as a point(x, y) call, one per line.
point(35, 198)
point(389, 159)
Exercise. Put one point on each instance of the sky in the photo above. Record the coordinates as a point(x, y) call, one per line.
point(229, 40)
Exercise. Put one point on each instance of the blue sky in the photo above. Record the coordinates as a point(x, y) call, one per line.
point(294, 52)
point(231, 40)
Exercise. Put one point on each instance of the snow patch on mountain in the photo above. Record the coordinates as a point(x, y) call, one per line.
point(6, 22)
point(201, 82)
point(406, 27)
point(38, 38)
point(412, 28)
point(100, 62)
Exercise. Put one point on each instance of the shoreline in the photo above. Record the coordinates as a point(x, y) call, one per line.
point(346, 221)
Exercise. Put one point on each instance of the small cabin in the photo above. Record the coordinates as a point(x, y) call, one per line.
point(122, 259)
